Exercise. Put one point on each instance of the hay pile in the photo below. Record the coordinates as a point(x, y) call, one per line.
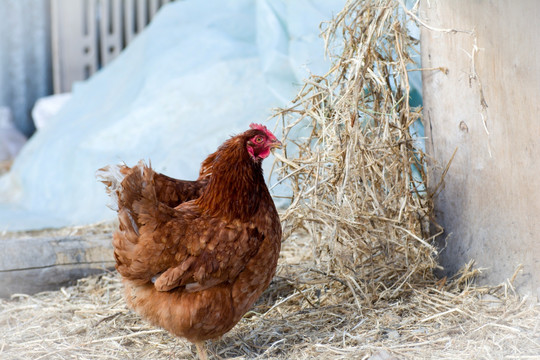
point(355, 277)
point(356, 174)
point(295, 319)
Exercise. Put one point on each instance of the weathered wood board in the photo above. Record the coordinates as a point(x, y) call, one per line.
point(484, 108)
point(33, 264)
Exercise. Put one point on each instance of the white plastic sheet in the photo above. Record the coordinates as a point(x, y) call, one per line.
point(202, 71)
point(46, 108)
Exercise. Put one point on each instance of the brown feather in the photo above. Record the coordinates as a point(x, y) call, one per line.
point(211, 245)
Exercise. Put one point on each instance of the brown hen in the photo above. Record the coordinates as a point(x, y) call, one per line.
point(196, 255)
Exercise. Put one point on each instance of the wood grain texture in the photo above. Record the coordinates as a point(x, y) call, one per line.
point(37, 264)
point(485, 108)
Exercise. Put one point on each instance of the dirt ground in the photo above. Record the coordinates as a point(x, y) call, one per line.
point(300, 316)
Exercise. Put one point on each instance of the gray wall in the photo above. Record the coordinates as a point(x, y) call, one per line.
point(25, 57)
point(487, 107)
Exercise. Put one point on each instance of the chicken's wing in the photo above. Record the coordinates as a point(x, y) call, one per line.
point(179, 247)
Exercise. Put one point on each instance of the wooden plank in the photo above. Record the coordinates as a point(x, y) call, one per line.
point(484, 107)
point(30, 265)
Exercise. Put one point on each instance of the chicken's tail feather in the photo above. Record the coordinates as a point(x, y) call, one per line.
point(139, 213)
point(132, 193)
point(112, 176)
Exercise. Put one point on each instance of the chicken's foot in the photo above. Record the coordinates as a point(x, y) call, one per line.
point(201, 351)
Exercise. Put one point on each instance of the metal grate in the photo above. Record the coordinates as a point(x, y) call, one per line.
point(89, 34)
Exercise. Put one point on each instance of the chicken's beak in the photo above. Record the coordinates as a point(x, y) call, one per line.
point(275, 144)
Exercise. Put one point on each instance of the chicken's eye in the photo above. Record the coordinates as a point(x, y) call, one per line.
point(259, 139)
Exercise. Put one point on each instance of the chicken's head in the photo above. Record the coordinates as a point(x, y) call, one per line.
point(260, 142)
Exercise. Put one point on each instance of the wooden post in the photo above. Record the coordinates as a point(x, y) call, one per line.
point(486, 105)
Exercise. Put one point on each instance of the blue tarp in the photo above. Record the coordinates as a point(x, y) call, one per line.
point(201, 71)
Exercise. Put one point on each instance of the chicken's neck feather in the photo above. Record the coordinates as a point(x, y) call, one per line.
point(236, 184)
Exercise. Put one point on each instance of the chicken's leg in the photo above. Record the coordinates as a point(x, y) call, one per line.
point(201, 351)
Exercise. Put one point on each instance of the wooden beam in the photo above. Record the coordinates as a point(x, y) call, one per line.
point(35, 264)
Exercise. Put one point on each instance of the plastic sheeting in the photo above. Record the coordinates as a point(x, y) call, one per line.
point(201, 71)
point(47, 107)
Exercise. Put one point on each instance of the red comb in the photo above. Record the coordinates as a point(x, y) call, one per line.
point(258, 127)
point(262, 128)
